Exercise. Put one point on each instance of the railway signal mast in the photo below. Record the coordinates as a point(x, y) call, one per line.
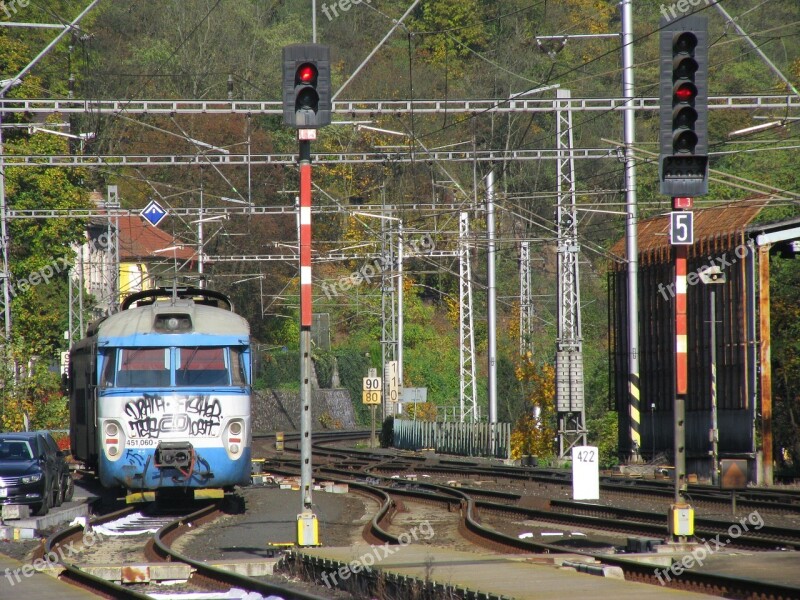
point(683, 174)
point(306, 107)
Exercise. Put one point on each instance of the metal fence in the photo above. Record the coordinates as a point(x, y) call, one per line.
point(463, 439)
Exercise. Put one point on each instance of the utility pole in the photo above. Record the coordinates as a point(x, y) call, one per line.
point(400, 299)
point(712, 276)
point(492, 309)
point(6, 297)
point(307, 522)
point(631, 233)
point(201, 283)
point(306, 107)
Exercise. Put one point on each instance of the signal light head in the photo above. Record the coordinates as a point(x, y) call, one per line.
point(683, 119)
point(684, 67)
point(307, 99)
point(306, 86)
point(686, 92)
point(684, 141)
point(306, 73)
point(684, 42)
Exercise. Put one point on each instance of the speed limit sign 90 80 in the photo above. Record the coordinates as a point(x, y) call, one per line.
point(372, 390)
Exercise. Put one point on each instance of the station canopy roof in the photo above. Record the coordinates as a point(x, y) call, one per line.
point(716, 229)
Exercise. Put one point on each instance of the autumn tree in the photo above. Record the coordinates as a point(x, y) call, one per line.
point(534, 431)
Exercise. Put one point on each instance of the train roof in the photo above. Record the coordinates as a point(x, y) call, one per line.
point(152, 319)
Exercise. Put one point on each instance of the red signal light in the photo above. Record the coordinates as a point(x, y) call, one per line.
point(686, 92)
point(306, 73)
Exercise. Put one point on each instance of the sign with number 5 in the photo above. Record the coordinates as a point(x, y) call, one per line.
point(681, 228)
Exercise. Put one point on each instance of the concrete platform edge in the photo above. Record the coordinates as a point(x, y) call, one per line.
point(370, 580)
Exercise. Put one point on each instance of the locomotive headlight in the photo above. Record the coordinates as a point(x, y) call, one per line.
point(173, 323)
point(113, 440)
point(234, 438)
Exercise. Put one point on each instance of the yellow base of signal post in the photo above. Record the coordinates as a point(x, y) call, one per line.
point(307, 529)
point(681, 520)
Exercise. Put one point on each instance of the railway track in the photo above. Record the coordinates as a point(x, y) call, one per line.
point(158, 549)
point(360, 469)
point(476, 509)
point(471, 526)
point(780, 502)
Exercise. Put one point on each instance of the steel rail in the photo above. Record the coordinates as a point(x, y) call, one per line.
point(765, 537)
point(752, 499)
point(169, 532)
point(471, 527)
point(73, 572)
point(731, 586)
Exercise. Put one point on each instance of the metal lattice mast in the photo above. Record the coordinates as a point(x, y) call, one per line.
point(466, 337)
point(569, 350)
point(76, 302)
point(112, 252)
point(388, 307)
point(525, 300)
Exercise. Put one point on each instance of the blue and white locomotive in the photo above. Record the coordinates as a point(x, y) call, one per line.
point(160, 393)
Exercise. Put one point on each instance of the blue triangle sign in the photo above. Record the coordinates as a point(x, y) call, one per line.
point(153, 213)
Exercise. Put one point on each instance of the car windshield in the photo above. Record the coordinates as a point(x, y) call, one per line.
point(15, 450)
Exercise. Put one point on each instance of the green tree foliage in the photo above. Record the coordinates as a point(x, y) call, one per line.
point(40, 251)
point(37, 397)
point(449, 29)
point(448, 49)
point(785, 317)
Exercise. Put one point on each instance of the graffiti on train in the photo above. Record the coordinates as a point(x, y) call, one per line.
point(152, 415)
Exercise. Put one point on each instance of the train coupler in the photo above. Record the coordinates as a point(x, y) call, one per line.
point(179, 455)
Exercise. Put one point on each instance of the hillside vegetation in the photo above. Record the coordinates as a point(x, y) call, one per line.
point(446, 49)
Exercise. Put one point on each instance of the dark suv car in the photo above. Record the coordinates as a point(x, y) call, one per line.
point(33, 471)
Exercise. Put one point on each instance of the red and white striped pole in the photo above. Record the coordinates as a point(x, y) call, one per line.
point(305, 237)
point(681, 514)
point(308, 520)
point(681, 371)
point(681, 362)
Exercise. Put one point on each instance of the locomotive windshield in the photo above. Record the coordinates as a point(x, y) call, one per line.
point(200, 366)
